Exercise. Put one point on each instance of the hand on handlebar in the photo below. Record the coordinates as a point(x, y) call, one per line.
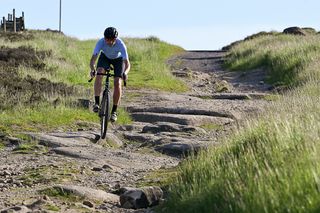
point(124, 76)
point(92, 73)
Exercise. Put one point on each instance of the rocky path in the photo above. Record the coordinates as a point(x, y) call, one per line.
point(77, 172)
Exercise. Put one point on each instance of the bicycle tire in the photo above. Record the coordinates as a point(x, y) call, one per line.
point(105, 113)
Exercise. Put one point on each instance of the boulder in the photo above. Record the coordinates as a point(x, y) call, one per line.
point(294, 31)
point(181, 148)
point(136, 198)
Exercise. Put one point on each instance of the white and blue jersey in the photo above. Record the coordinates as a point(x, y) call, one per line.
point(117, 50)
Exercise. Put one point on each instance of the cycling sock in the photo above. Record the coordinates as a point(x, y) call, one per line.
point(97, 99)
point(114, 108)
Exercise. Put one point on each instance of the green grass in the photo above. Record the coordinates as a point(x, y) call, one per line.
point(124, 117)
point(271, 97)
point(43, 118)
point(160, 177)
point(211, 126)
point(2, 146)
point(149, 70)
point(51, 207)
point(69, 56)
point(271, 163)
point(30, 147)
point(67, 62)
point(291, 60)
point(50, 174)
point(70, 60)
point(60, 194)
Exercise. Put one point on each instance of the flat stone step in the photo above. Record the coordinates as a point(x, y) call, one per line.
point(139, 137)
point(136, 126)
point(180, 148)
point(89, 193)
point(169, 127)
point(71, 139)
point(239, 96)
point(118, 159)
point(180, 110)
point(183, 119)
point(75, 152)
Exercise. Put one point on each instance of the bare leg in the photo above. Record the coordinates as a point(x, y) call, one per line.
point(117, 91)
point(98, 82)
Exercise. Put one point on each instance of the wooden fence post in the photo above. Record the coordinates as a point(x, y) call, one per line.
point(23, 25)
point(14, 21)
point(4, 24)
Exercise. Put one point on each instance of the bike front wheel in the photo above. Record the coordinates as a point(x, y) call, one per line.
point(105, 113)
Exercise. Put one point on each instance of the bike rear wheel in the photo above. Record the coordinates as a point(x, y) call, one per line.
point(105, 113)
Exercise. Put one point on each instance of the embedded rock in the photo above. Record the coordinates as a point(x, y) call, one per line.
point(141, 198)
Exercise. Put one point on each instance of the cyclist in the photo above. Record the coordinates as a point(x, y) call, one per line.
point(113, 51)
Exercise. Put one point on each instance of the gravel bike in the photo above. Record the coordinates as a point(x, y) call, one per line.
point(104, 112)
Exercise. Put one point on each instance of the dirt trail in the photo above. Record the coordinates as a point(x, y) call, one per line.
point(166, 127)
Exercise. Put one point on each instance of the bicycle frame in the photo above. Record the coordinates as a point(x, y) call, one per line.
point(108, 75)
point(104, 112)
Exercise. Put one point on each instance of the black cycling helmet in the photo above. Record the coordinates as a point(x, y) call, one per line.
point(111, 33)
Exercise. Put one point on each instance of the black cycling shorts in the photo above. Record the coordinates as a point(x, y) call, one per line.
point(105, 63)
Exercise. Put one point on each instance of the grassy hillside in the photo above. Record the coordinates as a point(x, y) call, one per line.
point(291, 60)
point(43, 74)
point(149, 70)
point(272, 163)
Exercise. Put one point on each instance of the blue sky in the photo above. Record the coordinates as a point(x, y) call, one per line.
point(201, 24)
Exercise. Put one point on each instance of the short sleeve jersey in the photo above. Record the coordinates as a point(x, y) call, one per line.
point(118, 50)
